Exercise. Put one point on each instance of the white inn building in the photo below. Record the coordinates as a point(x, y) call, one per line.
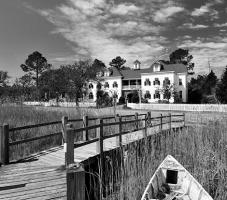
point(148, 82)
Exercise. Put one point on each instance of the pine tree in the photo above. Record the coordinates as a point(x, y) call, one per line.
point(210, 83)
point(221, 90)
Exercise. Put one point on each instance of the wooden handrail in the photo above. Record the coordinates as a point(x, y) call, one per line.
point(118, 121)
point(34, 138)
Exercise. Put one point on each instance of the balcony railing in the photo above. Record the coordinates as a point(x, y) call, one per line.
point(131, 87)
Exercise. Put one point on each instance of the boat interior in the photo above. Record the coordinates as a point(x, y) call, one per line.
point(174, 183)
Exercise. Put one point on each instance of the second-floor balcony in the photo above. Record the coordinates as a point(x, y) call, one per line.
point(131, 84)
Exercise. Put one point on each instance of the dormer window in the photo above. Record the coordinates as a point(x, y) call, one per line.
point(107, 73)
point(156, 81)
point(156, 67)
point(106, 85)
point(166, 81)
point(99, 74)
point(90, 86)
point(115, 85)
point(137, 65)
point(147, 82)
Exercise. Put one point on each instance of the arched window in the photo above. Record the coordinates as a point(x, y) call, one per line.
point(156, 81)
point(166, 81)
point(180, 94)
point(147, 95)
point(147, 82)
point(99, 86)
point(90, 86)
point(115, 84)
point(106, 85)
point(156, 94)
point(91, 96)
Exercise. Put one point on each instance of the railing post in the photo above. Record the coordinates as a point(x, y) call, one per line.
point(170, 120)
point(4, 144)
point(119, 138)
point(85, 124)
point(75, 182)
point(145, 124)
point(184, 118)
point(64, 122)
point(75, 174)
point(161, 122)
point(99, 149)
point(69, 159)
point(136, 118)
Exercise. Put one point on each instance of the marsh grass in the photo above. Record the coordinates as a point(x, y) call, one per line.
point(17, 116)
point(201, 149)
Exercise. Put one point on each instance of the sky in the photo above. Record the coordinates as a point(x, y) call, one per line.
point(68, 30)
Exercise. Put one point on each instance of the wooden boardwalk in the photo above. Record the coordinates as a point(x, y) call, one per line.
point(43, 175)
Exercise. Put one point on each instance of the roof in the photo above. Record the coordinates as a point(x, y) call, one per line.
point(136, 74)
point(136, 61)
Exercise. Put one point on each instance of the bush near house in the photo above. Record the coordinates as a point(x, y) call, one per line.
point(121, 100)
point(103, 99)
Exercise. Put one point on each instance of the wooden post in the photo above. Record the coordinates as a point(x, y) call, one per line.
point(99, 149)
point(184, 118)
point(136, 118)
point(145, 125)
point(85, 124)
point(64, 122)
point(119, 139)
point(75, 182)
point(170, 120)
point(161, 122)
point(69, 159)
point(4, 144)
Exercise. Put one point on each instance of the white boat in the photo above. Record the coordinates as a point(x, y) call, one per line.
point(172, 181)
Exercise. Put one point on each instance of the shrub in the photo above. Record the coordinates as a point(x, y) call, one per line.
point(121, 100)
point(144, 100)
point(163, 101)
point(103, 99)
point(135, 97)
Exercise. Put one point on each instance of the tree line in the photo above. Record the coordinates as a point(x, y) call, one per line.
point(42, 81)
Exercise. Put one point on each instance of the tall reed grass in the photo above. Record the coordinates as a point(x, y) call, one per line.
point(201, 149)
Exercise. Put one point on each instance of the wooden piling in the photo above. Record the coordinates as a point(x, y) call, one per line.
point(85, 124)
point(119, 138)
point(4, 144)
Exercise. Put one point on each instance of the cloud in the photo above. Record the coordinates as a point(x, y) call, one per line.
point(103, 29)
point(207, 9)
point(201, 11)
point(123, 9)
point(162, 15)
point(95, 31)
point(202, 50)
point(192, 26)
point(220, 25)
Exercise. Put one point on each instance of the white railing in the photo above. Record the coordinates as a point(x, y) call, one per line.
point(61, 104)
point(181, 107)
point(131, 87)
